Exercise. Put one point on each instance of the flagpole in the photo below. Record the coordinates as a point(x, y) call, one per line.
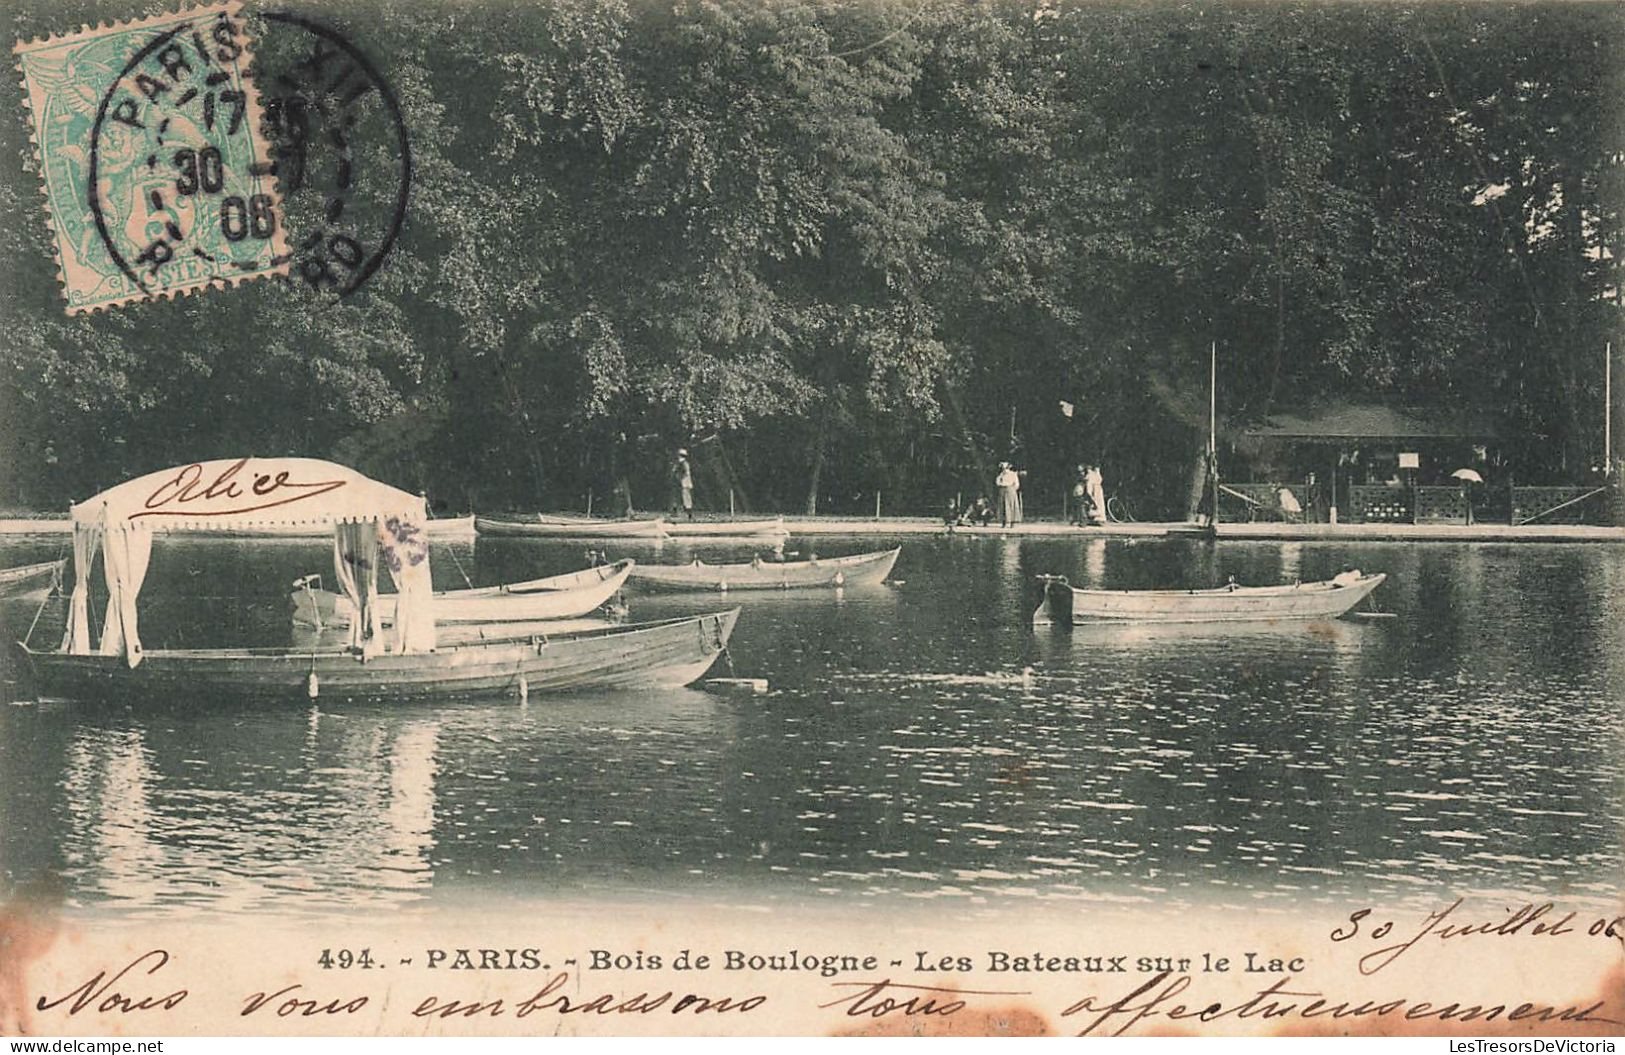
point(1213, 430)
point(1213, 401)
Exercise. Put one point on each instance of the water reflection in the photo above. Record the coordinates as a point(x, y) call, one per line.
point(919, 741)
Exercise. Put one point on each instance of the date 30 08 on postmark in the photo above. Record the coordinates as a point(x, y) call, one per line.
point(156, 175)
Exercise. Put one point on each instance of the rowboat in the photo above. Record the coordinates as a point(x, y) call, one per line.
point(26, 576)
point(306, 638)
point(855, 570)
point(377, 530)
point(1329, 599)
point(451, 527)
point(669, 653)
point(439, 528)
point(725, 528)
point(558, 597)
point(571, 527)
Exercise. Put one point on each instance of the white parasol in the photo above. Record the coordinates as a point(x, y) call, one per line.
point(1470, 475)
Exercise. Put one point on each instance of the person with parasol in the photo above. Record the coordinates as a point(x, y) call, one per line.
point(1468, 478)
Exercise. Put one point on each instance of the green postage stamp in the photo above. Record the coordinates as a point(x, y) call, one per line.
point(156, 173)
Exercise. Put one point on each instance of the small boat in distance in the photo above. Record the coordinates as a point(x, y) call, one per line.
point(1329, 599)
point(440, 529)
point(547, 526)
point(769, 575)
point(557, 597)
point(27, 576)
point(450, 527)
point(726, 528)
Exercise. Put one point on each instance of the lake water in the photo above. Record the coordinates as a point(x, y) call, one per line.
point(1473, 744)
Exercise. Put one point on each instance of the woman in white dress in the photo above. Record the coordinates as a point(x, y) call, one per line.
point(1008, 483)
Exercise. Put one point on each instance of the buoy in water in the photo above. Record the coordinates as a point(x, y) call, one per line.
point(313, 685)
point(524, 689)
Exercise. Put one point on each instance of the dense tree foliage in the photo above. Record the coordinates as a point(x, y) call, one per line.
point(841, 247)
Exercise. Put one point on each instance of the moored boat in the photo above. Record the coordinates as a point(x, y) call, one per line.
point(556, 597)
point(571, 527)
point(1329, 599)
point(668, 653)
point(306, 638)
point(759, 574)
point(28, 576)
point(440, 528)
point(374, 527)
point(725, 528)
point(450, 527)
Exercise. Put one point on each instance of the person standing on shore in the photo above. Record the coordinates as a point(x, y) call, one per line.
point(682, 479)
point(1095, 484)
point(1008, 483)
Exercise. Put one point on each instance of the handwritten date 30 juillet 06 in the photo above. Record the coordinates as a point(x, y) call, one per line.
point(868, 985)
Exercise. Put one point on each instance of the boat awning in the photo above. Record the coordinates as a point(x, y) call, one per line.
point(373, 524)
point(233, 494)
point(1364, 422)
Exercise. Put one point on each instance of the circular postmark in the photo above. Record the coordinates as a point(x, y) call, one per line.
point(180, 185)
point(342, 157)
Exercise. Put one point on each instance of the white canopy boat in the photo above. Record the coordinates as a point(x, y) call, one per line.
point(372, 525)
point(1064, 603)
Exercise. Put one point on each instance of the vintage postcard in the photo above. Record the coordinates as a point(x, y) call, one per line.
point(849, 517)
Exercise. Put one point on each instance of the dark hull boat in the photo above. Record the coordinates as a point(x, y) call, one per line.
point(668, 653)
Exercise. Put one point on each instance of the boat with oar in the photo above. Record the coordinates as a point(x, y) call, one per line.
point(858, 569)
point(557, 597)
point(1329, 599)
point(726, 528)
point(26, 577)
point(374, 527)
point(546, 526)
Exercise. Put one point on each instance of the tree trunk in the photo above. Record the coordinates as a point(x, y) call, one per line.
point(820, 442)
point(532, 442)
point(817, 471)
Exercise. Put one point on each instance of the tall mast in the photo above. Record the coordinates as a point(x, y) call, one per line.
point(1608, 409)
point(1213, 402)
point(1213, 429)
